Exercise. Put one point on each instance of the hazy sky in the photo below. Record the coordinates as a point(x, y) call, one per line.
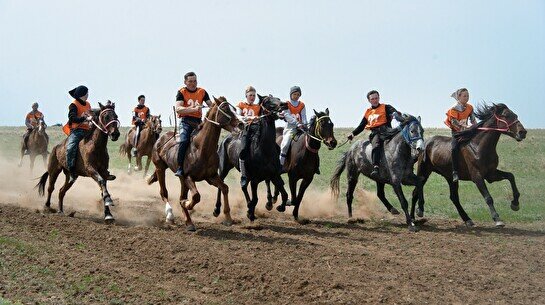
point(416, 53)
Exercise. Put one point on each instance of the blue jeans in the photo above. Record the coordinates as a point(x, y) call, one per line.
point(72, 147)
point(186, 127)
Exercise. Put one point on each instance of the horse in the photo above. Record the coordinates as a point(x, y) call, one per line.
point(92, 159)
point(148, 135)
point(479, 160)
point(303, 161)
point(401, 150)
point(201, 161)
point(262, 162)
point(37, 143)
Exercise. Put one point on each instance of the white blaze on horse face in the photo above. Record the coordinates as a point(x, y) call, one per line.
point(420, 145)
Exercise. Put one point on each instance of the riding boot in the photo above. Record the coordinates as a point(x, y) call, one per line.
point(243, 176)
point(72, 175)
point(25, 143)
point(181, 156)
point(455, 160)
point(375, 158)
point(136, 136)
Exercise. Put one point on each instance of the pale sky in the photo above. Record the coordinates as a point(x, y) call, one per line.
point(415, 53)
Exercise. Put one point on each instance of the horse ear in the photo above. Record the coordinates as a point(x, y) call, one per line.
point(113, 105)
point(327, 111)
point(419, 119)
point(316, 113)
point(159, 117)
point(260, 97)
point(101, 106)
point(216, 100)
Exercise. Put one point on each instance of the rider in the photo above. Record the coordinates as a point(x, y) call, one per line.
point(249, 111)
point(79, 122)
point(378, 119)
point(295, 117)
point(31, 122)
point(457, 120)
point(140, 116)
point(189, 103)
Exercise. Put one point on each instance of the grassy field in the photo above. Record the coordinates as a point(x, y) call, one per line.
point(525, 160)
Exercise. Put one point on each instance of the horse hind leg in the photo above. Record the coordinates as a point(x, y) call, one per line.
point(62, 193)
point(54, 174)
point(169, 215)
point(455, 198)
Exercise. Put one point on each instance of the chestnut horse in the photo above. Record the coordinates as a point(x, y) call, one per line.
point(148, 135)
point(92, 159)
point(479, 160)
point(37, 143)
point(201, 160)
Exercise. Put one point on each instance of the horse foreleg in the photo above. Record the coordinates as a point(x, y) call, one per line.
point(455, 198)
point(32, 159)
point(384, 200)
point(148, 161)
point(195, 195)
point(138, 160)
point(253, 202)
point(352, 182)
point(183, 196)
point(405, 205)
point(270, 201)
point(129, 167)
point(279, 188)
point(106, 198)
point(499, 175)
point(481, 185)
point(302, 188)
point(218, 182)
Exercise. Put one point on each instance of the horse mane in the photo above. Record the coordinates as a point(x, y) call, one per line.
point(407, 118)
point(483, 112)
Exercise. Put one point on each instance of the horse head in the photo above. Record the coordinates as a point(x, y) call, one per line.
point(41, 126)
point(221, 114)
point(155, 124)
point(272, 104)
point(413, 134)
point(500, 118)
point(106, 120)
point(321, 127)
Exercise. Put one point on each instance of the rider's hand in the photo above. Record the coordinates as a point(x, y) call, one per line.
point(350, 137)
point(301, 126)
point(88, 118)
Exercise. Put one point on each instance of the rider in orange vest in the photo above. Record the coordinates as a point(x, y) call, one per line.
point(189, 103)
point(378, 119)
point(78, 122)
point(458, 118)
point(31, 121)
point(295, 117)
point(249, 111)
point(140, 116)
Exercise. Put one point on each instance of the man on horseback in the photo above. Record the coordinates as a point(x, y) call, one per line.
point(378, 119)
point(140, 116)
point(249, 111)
point(295, 117)
point(189, 104)
point(458, 119)
point(31, 122)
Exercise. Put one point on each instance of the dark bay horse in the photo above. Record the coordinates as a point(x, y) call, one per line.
point(400, 153)
point(201, 161)
point(148, 135)
point(37, 144)
point(262, 162)
point(479, 160)
point(302, 160)
point(92, 159)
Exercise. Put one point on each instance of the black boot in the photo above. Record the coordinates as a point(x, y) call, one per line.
point(179, 171)
point(72, 174)
point(375, 173)
point(243, 176)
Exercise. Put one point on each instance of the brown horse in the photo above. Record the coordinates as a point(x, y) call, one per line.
point(303, 161)
point(479, 160)
point(201, 160)
point(148, 135)
point(37, 143)
point(92, 159)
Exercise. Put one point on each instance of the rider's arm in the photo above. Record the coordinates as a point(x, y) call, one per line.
point(27, 122)
point(393, 113)
point(289, 118)
point(180, 109)
point(473, 118)
point(456, 125)
point(360, 127)
point(206, 99)
point(73, 115)
point(303, 115)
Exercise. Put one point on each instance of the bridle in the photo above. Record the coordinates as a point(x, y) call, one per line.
point(405, 132)
point(104, 127)
point(498, 120)
point(215, 121)
point(317, 135)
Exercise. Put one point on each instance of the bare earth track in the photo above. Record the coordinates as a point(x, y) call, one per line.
point(52, 259)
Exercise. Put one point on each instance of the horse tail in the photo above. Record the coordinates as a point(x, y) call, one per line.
point(334, 182)
point(123, 150)
point(152, 179)
point(41, 184)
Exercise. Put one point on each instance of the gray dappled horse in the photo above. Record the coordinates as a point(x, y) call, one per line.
point(401, 150)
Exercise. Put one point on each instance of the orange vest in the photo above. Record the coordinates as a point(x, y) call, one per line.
point(249, 110)
point(83, 125)
point(191, 99)
point(34, 117)
point(461, 117)
point(296, 111)
point(376, 116)
point(141, 113)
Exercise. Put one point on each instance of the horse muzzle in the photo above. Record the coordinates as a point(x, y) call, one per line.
point(331, 143)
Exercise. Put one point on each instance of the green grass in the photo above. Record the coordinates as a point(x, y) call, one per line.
point(525, 160)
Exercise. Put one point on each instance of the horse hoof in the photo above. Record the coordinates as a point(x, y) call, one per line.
point(499, 224)
point(269, 205)
point(216, 213)
point(281, 208)
point(227, 223)
point(109, 219)
point(191, 228)
point(515, 207)
point(274, 200)
point(251, 217)
point(60, 213)
point(413, 228)
point(187, 205)
point(49, 210)
point(419, 213)
point(394, 211)
point(302, 221)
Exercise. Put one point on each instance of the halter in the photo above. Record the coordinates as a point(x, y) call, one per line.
point(215, 122)
point(498, 120)
point(104, 127)
point(407, 135)
point(318, 136)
